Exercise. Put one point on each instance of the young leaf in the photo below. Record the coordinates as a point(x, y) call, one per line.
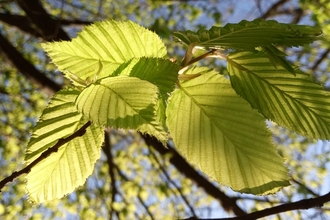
point(217, 130)
point(110, 42)
point(59, 120)
point(65, 170)
point(296, 102)
point(122, 102)
point(246, 35)
point(161, 72)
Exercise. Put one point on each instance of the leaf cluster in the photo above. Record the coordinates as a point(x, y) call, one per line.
point(121, 78)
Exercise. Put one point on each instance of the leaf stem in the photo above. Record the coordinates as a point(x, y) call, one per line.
point(205, 55)
point(44, 155)
point(211, 53)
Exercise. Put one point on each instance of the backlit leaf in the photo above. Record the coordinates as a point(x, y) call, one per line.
point(161, 72)
point(122, 102)
point(218, 130)
point(296, 102)
point(246, 35)
point(65, 170)
point(110, 42)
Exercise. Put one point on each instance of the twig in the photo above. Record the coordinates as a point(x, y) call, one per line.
point(44, 155)
point(207, 54)
point(302, 204)
point(107, 151)
point(272, 10)
point(46, 25)
point(319, 61)
point(310, 191)
point(15, 58)
point(122, 175)
point(265, 200)
point(188, 61)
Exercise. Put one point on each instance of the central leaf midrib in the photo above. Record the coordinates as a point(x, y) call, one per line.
point(119, 96)
point(238, 149)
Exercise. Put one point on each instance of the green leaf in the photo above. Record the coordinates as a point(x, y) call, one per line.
point(296, 102)
point(122, 102)
point(160, 72)
point(63, 171)
point(246, 35)
point(59, 120)
point(276, 56)
point(220, 133)
point(110, 42)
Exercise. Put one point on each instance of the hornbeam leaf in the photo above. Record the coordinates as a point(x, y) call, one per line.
point(59, 120)
point(161, 72)
point(122, 102)
point(246, 35)
point(296, 102)
point(65, 170)
point(278, 57)
point(109, 42)
point(218, 131)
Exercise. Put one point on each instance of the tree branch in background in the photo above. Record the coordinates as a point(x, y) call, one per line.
point(302, 204)
point(47, 26)
point(110, 162)
point(44, 155)
point(319, 61)
point(273, 9)
point(310, 191)
point(297, 15)
point(123, 176)
point(228, 203)
point(22, 22)
point(16, 59)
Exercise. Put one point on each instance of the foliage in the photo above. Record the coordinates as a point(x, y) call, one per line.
point(209, 123)
point(133, 184)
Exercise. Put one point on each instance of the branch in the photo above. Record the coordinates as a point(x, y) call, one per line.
point(302, 204)
point(319, 61)
point(107, 151)
point(47, 26)
point(228, 203)
point(26, 68)
point(22, 22)
point(296, 13)
point(44, 155)
point(273, 9)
